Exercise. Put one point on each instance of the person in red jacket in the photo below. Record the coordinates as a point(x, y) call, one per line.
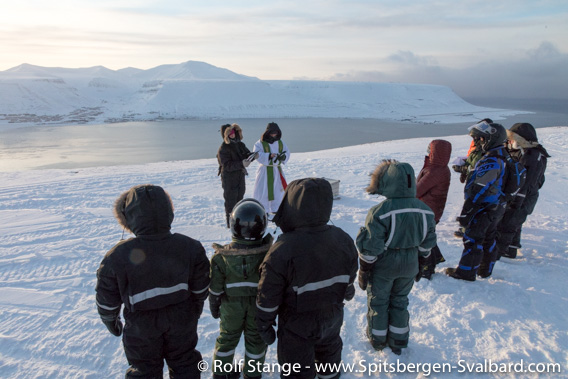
point(432, 186)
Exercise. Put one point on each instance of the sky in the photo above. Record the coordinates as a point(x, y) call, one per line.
point(509, 48)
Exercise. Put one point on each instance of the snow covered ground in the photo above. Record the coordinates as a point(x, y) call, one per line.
point(56, 225)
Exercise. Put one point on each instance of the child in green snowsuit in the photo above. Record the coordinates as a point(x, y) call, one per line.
point(232, 294)
point(397, 232)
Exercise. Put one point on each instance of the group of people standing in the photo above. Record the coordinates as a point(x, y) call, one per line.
point(234, 158)
point(501, 189)
point(301, 281)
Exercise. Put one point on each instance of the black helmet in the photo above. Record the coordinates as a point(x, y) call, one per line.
point(493, 134)
point(248, 221)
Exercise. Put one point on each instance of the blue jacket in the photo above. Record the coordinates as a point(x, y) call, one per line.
point(484, 188)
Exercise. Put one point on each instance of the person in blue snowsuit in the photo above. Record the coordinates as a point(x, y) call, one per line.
point(484, 204)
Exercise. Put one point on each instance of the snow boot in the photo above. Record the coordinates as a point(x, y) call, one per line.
point(511, 253)
point(377, 345)
point(396, 350)
point(454, 273)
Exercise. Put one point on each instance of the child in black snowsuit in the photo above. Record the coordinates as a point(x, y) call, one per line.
point(161, 279)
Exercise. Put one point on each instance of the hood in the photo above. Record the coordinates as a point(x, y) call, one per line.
point(271, 128)
point(306, 202)
point(226, 130)
point(440, 152)
point(524, 134)
point(144, 210)
point(524, 130)
point(393, 179)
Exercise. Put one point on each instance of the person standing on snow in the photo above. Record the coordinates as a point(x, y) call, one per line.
point(465, 169)
point(432, 185)
point(398, 234)
point(270, 182)
point(523, 147)
point(232, 295)
point(161, 279)
point(306, 276)
point(233, 157)
point(484, 204)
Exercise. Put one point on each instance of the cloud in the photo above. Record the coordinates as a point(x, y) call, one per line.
point(536, 73)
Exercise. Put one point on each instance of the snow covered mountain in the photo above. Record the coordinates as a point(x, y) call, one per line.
point(40, 95)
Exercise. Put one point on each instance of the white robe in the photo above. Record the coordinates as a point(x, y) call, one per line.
point(260, 184)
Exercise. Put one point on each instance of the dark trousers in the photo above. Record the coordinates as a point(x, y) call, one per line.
point(169, 334)
point(509, 229)
point(310, 337)
point(480, 252)
point(233, 190)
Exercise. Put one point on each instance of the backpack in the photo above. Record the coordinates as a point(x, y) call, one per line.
point(515, 177)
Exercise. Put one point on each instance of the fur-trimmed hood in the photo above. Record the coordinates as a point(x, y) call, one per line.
point(393, 179)
point(144, 210)
point(231, 249)
point(524, 134)
point(226, 130)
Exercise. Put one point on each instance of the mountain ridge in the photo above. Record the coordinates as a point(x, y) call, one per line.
point(32, 94)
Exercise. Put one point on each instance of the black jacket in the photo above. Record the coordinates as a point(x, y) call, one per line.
point(534, 157)
point(311, 265)
point(156, 269)
point(232, 152)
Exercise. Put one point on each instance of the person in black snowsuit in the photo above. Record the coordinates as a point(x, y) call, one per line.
point(484, 204)
point(161, 279)
point(523, 147)
point(305, 277)
point(233, 157)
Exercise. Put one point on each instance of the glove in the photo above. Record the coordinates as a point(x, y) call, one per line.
point(364, 279)
point(465, 219)
point(423, 269)
point(281, 157)
point(246, 163)
point(114, 326)
point(457, 168)
point(350, 292)
point(252, 156)
point(268, 334)
point(468, 212)
point(215, 305)
point(198, 307)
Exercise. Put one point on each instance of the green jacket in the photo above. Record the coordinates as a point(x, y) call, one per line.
point(235, 268)
point(400, 227)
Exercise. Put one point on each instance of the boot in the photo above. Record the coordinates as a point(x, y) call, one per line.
point(396, 350)
point(483, 273)
point(454, 273)
point(377, 345)
point(511, 253)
